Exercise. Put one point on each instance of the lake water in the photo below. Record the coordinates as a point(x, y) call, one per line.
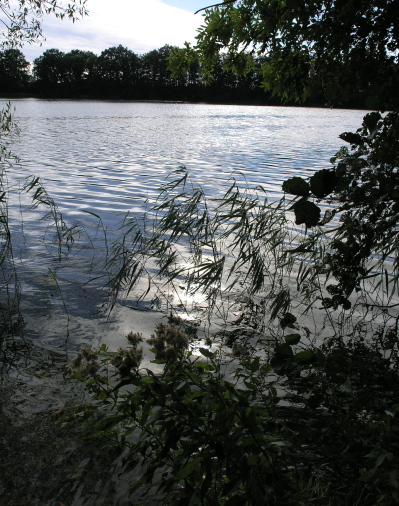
point(108, 157)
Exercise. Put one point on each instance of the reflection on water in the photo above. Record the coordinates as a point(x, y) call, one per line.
point(108, 157)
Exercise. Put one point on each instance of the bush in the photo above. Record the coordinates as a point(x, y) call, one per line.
point(206, 437)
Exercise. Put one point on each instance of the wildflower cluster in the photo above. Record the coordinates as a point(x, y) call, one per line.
point(169, 342)
point(86, 361)
point(128, 359)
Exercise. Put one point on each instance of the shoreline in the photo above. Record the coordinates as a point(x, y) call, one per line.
point(47, 463)
point(243, 103)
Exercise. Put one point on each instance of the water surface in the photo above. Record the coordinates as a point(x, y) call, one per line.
point(108, 157)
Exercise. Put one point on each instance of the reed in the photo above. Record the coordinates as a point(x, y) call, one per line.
point(56, 230)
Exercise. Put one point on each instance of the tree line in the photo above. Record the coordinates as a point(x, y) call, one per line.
point(119, 73)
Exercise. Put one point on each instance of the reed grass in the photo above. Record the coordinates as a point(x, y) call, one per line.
point(237, 260)
point(59, 233)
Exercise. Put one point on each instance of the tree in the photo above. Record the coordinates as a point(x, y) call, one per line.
point(118, 64)
point(13, 70)
point(50, 69)
point(79, 67)
point(154, 67)
point(350, 48)
point(21, 20)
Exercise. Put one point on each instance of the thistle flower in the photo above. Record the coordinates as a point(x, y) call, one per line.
point(126, 360)
point(169, 342)
point(134, 338)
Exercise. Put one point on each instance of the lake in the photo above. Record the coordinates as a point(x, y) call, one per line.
point(108, 157)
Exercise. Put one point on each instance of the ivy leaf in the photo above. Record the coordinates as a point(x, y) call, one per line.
point(296, 186)
point(307, 213)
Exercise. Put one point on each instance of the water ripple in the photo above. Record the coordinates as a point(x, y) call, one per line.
point(109, 157)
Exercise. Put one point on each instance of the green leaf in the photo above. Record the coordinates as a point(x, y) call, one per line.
point(91, 212)
point(283, 350)
point(354, 139)
point(307, 356)
point(206, 353)
point(186, 470)
point(155, 417)
point(292, 339)
point(367, 475)
point(203, 365)
point(296, 186)
point(323, 182)
point(307, 213)
point(371, 120)
point(288, 320)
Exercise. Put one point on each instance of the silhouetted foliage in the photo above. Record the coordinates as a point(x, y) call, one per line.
point(14, 75)
point(213, 429)
point(340, 51)
point(22, 19)
point(120, 73)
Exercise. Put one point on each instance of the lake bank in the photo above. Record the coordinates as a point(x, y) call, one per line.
point(324, 377)
point(47, 463)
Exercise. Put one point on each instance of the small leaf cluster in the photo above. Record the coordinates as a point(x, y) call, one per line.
point(321, 184)
point(200, 438)
point(22, 21)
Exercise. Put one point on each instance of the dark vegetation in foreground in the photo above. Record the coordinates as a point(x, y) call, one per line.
point(298, 404)
point(296, 400)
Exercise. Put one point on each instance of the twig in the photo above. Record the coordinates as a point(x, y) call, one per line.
point(214, 5)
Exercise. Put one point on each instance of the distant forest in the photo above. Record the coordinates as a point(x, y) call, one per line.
point(119, 73)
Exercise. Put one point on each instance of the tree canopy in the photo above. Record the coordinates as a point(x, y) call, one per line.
point(352, 46)
point(13, 70)
point(120, 73)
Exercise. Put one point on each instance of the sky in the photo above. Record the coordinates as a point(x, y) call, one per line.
point(140, 25)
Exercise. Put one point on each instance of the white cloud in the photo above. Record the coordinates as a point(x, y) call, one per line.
point(141, 25)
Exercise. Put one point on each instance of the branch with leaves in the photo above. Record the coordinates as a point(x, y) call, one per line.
point(22, 20)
